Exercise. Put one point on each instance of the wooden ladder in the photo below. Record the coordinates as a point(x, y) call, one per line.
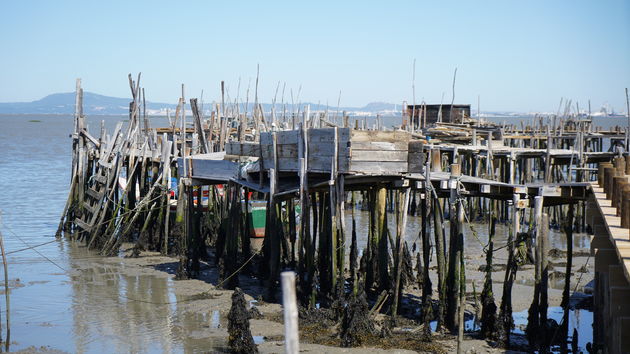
point(96, 198)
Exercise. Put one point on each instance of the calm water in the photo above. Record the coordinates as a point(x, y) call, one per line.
point(71, 300)
point(88, 308)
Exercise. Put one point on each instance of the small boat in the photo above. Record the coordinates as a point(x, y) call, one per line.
point(257, 214)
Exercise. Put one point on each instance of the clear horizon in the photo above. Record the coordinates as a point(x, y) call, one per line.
point(516, 56)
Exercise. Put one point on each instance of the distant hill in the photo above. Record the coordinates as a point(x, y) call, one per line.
point(63, 103)
point(95, 104)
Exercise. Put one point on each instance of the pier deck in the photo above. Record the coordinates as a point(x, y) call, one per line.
point(611, 248)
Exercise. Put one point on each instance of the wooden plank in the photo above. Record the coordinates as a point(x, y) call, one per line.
point(315, 164)
point(89, 208)
point(291, 150)
point(284, 150)
point(324, 163)
point(378, 156)
point(415, 146)
point(414, 162)
point(82, 224)
point(94, 194)
point(100, 179)
point(379, 145)
point(382, 167)
point(328, 149)
point(328, 135)
point(378, 135)
point(242, 149)
point(220, 170)
point(105, 164)
point(284, 137)
point(89, 137)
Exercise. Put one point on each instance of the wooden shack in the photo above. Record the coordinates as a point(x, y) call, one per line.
point(456, 113)
point(357, 151)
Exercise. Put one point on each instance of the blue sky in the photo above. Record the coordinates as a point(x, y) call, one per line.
point(517, 55)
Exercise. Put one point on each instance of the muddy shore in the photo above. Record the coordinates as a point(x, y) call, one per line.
point(194, 312)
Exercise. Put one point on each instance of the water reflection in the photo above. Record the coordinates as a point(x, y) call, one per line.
point(124, 310)
point(130, 312)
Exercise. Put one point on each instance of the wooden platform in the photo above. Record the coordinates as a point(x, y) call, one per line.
point(610, 247)
point(559, 155)
point(619, 237)
point(217, 168)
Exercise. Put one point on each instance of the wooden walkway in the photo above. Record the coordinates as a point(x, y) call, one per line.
point(610, 246)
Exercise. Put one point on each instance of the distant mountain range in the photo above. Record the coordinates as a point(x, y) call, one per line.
point(95, 104)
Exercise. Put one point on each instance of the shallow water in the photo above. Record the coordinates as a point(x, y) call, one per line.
point(581, 320)
point(64, 296)
point(67, 298)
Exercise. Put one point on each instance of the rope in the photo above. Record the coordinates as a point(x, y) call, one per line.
point(67, 272)
point(34, 249)
point(238, 270)
point(31, 247)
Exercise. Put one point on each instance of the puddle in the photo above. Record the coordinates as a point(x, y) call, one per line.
point(582, 320)
point(216, 323)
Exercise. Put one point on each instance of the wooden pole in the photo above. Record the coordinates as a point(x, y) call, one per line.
point(462, 277)
point(403, 203)
point(291, 338)
point(544, 265)
point(455, 251)
point(566, 293)
point(627, 114)
point(6, 293)
point(533, 320)
point(438, 224)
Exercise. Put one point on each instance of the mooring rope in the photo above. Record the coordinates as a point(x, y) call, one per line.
point(239, 269)
point(33, 248)
point(67, 272)
point(30, 247)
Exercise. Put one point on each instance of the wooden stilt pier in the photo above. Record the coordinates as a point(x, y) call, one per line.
point(122, 190)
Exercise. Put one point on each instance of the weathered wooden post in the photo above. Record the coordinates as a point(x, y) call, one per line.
point(533, 320)
point(505, 313)
point(438, 227)
point(621, 183)
point(609, 173)
point(403, 203)
point(544, 266)
point(568, 229)
point(289, 303)
point(6, 293)
point(625, 206)
point(489, 311)
point(455, 251)
point(381, 238)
